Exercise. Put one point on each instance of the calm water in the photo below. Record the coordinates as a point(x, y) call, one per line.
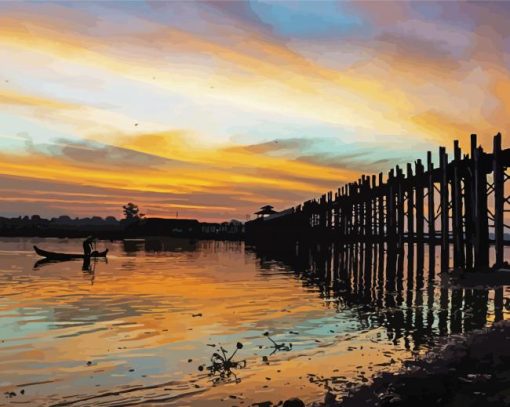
point(139, 327)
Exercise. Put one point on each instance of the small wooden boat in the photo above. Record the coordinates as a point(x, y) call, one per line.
point(67, 256)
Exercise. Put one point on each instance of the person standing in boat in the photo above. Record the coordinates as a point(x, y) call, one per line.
point(87, 245)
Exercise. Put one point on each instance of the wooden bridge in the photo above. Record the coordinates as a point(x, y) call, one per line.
point(461, 204)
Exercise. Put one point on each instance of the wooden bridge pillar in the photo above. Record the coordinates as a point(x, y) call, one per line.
point(373, 206)
point(381, 207)
point(359, 217)
point(430, 199)
point(390, 210)
point(480, 209)
point(445, 233)
point(469, 205)
point(354, 210)
point(322, 214)
point(499, 199)
point(331, 211)
point(363, 207)
point(419, 201)
point(420, 219)
point(343, 211)
point(336, 212)
point(400, 207)
point(410, 204)
point(349, 211)
point(457, 226)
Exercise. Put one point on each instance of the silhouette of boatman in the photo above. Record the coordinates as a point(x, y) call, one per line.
point(87, 245)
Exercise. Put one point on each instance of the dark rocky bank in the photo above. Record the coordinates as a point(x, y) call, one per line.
point(467, 371)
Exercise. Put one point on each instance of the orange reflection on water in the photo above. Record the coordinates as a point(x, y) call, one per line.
point(140, 325)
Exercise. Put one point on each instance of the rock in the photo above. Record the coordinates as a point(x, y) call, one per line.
point(294, 402)
point(329, 399)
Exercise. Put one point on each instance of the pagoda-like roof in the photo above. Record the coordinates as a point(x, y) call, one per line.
point(266, 210)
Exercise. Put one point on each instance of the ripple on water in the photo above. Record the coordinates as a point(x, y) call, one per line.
point(141, 325)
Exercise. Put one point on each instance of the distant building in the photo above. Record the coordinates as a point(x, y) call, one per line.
point(166, 227)
point(234, 227)
point(265, 211)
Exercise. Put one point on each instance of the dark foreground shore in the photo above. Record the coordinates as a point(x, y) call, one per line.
point(467, 371)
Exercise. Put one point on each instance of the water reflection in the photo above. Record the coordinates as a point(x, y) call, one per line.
point(390, 289)
point(147, 318)
point(169, 244)
point(88, 265)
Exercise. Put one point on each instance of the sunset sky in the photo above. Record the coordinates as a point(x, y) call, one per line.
point(214, 109)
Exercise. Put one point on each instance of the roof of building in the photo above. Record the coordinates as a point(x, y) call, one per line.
point(266, 210)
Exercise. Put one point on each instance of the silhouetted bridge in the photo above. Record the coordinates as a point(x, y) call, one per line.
point(447, 206)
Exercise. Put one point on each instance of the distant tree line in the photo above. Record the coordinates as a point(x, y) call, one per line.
point(35, 225)
point(134, 224)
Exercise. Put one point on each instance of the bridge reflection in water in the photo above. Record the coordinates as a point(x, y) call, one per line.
point(401, 291)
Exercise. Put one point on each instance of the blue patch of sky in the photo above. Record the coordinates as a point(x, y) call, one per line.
point(308, 19)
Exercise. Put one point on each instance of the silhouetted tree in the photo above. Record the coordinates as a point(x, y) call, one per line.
point(131, 211)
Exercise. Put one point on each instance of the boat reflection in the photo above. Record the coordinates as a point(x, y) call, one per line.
point(88, 264)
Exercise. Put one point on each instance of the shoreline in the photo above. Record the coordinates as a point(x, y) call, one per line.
point(471, 370)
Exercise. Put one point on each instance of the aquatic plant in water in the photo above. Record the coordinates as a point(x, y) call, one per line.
point(222, 365)
point(278, 346)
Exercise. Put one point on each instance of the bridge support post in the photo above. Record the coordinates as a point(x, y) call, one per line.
point(381, 207)
point(400, 207)
point(457, 227)
point(419, 210)
point(430, 200)
point(445, 234)
point(410, 212)
point(390, 211)
point(481, 214)
point(469, 215)
point(499, 199)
